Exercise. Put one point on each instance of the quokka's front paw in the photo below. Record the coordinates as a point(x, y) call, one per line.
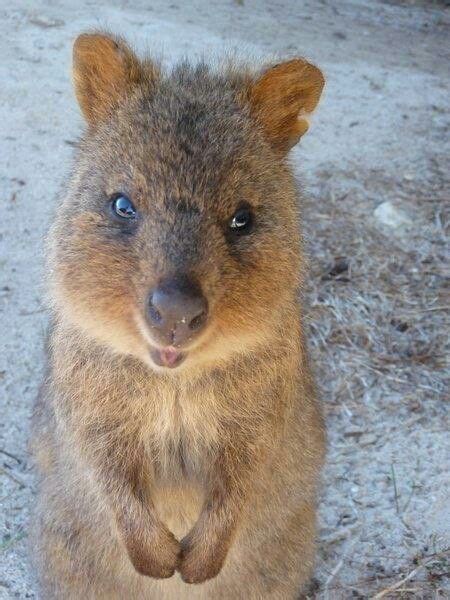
point(154, 554)
point(200, 559)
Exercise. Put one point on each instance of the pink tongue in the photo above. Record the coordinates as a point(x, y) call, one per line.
point(169, 356)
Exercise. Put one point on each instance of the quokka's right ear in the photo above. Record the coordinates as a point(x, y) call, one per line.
point(105, 69)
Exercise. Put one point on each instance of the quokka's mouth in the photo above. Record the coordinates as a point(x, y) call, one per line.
point(169, 357)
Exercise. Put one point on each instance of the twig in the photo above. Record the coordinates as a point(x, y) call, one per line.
point(397, 585)
point(340, 563)
point(333, 573)
point(26, 313)
point(408, 577)
point(13, 477)
point(342, 535)
point(6, 453)
point(395, 488)
point(408, 502)
point(432, 309)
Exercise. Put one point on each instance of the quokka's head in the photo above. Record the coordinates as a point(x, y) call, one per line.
point(177, 240)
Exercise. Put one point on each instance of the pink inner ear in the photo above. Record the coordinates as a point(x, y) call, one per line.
point(282, 99)
point(302, 125)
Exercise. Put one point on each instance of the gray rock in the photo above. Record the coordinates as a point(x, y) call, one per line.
point(391, 215)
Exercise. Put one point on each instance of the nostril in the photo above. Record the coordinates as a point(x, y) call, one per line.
point(176, 310)
point(154, 313)
point(197, 321)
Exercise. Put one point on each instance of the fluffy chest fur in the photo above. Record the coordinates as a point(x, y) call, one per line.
point(181, 431)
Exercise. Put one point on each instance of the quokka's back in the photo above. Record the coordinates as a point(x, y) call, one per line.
point(177, 434)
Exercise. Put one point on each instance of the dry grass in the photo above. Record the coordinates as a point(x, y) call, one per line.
point(378, 319)
point(379, 307)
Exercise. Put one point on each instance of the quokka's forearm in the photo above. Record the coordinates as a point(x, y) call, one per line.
point(204, 549)
point(125, 485)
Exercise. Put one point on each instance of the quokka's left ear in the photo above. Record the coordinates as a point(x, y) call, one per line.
point(283, 98)
point(105, 69)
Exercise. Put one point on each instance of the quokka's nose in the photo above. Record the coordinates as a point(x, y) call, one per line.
point(176, 311)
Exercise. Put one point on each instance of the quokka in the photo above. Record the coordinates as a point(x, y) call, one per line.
point(177, 432)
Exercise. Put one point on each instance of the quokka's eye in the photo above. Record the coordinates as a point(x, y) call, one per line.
point(241, 222)
point(123, 207)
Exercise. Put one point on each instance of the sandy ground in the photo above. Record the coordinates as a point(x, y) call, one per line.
point(377, 315)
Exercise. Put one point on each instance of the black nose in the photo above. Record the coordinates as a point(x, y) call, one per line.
point(176, 311)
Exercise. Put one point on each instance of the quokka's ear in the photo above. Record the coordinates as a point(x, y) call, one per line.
point(283, 98)
point(105, 69)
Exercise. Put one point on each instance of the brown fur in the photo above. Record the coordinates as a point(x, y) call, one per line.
point(209, 470)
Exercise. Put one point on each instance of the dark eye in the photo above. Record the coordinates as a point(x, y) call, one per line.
point(123, 207)
point(241, 222)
